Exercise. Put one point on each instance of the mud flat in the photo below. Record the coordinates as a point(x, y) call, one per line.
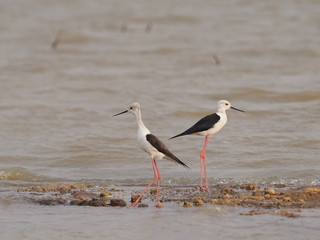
point(279, 199)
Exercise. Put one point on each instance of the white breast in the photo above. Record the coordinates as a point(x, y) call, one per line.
point(217, 127)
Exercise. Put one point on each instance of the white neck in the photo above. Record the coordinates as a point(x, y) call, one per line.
point(221, 110)
point(140, 123)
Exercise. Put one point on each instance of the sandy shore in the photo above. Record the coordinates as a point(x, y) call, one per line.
point(279, 199)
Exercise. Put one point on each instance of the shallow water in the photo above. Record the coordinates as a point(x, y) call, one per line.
point(58, 222)
point(56, 105)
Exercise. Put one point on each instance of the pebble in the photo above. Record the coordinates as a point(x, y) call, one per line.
point(198, 202)
point(117, 203)
point(312, 190)
point(269, 191)
point(251, 187)
point(143, 205)
point(93, 203)
point(106, 195)
point(214, 201)
point(159, 205)
point(51, 201)
point(134, 198)
point(187, 204)
point(287, 199)
point(82, 198)
point(256, 194)
point(227, 196)
point(227, 190)
point(153, 191)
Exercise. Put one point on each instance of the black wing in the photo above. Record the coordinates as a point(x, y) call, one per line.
point(161, 147)
point(203, 124)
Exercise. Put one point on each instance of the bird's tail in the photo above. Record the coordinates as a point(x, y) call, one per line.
point(183, 164)
point(173, 158)
point(179, 135)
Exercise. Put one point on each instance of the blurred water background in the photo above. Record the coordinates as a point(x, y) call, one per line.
point(177, 59)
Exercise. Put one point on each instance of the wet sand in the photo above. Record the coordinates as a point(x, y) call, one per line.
point(276, 199)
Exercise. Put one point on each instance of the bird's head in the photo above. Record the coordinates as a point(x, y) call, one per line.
point(133, 108)
point(224, 105)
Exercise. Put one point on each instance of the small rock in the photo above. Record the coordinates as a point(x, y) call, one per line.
point(187, 204)
point(75, 202)
point(143, 205)
point(287, 199)
point(153, 191)
point(134, 198)
point(117, 203)
point(248, 186)
point(256, 194)
point(269, 191)
point(159, 205)
point(64, 190)
point(227, 190)
point(57, 201)
point(260, 198)
point(92, 203)
point(198, 202)
point(226, 202)
point(82, 198)
point(106, 195)
point(80, 203)
point(214, 201)
point(227, 196)
point(96, 203)
point(312, 190)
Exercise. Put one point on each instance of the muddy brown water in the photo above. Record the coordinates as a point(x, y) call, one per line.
point(68, 66)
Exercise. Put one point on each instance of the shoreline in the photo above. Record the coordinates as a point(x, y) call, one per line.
point(287, 200)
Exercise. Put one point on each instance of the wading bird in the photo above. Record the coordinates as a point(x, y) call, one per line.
point(207, 126)
point(153, 146)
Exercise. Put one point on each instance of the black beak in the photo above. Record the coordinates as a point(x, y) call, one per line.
point(120, 113)
point(237, 109)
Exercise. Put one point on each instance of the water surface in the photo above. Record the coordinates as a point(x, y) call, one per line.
point(56, 108)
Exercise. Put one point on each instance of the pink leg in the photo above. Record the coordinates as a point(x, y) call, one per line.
point(205, 172)
point(201, 168)
point(156, 174)
point(203, 165)
point(159, 181)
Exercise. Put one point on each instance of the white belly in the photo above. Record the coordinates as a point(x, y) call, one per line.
point(146, 146)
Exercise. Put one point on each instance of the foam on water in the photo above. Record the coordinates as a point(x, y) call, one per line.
point(20, 174)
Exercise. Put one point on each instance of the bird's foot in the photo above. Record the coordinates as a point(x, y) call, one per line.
point(204, 188)
point(134, 204)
